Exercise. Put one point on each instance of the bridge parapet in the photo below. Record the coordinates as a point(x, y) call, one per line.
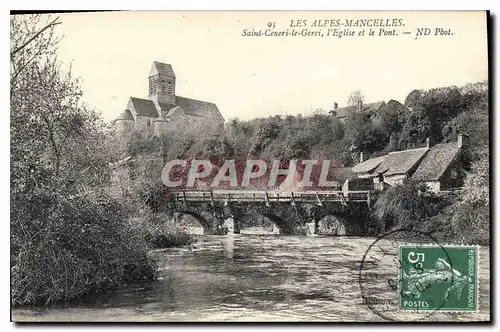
point(271, 196)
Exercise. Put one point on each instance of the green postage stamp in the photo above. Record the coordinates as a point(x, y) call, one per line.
point(438, 278)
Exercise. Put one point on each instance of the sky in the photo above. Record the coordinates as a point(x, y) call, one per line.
point(250, 76)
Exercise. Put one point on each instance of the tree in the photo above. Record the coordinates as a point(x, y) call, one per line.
point(416, 129)
point(30, 40)
point(69, 236)
point(355, 98)
point(392, 117)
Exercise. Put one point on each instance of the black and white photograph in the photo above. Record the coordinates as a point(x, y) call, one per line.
point(250, 166)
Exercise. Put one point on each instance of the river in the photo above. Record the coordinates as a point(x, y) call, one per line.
point(250, 278)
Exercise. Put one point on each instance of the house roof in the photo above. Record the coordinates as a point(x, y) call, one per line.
point(367, 108)
point(160, 68)
point(125, 115)
point(400, 162)
point(144, 107)
point(436, 162)
point(368, 165)
point(198, 108)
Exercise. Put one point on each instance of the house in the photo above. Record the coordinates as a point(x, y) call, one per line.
point(392, 168)
point(163, 110)
point(440, 168)
point(437, 166)
point(371, 110)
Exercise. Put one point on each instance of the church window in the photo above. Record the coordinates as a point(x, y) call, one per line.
point(169, 90)
point(162, 85)
point(155, 83)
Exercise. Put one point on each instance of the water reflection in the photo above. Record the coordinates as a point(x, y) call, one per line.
point(228, 244)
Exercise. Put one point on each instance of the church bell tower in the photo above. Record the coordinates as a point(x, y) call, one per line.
point(162, 83)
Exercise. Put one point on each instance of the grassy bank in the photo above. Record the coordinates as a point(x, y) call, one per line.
point(160, 230)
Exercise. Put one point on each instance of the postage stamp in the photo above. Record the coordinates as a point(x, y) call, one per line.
point(435, 279)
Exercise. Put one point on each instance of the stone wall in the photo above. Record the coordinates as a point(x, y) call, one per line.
point(144, 125)
point(124, 127)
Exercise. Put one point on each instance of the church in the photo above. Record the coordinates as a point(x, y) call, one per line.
point(163, 111)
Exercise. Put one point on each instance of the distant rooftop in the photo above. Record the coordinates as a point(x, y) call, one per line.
point(342, 112)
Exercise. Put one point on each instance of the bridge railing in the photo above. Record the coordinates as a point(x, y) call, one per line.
point(271, 196)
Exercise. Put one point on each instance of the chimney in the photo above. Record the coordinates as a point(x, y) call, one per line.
point(360, 106)
point(460, 141)
point(361, 157)
point(335, 106)
point(427, 142)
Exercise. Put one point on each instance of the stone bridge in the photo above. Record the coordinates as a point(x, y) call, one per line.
point(226, 211)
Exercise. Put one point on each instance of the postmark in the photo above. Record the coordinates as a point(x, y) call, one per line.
point(413, 276)
point(433, 279)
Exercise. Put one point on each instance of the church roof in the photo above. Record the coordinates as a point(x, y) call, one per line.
point(436, 162)
point(144, 107)
point(199, 108)
point(171, 111)
point(160, 119)
point(160, 68)
point(125, 115)
point(165, 108)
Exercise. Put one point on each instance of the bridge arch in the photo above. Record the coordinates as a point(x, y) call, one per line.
point(284, 227)
point(202, 220)
point(337, 224)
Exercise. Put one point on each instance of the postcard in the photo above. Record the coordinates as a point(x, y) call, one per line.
point(250, 166)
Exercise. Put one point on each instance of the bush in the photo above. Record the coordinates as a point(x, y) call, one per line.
point(471, 219)
point(399, 206)
point(407, 206)
point(162, 231)
point(82, 245)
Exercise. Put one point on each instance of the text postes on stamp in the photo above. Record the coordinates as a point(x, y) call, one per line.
point(438, 278)
point(413, 277)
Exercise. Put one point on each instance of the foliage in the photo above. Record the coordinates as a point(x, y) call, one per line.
point(161, 230)
point(69, 234)
point(471, 217)
point(73, 246)
point(408, 206)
